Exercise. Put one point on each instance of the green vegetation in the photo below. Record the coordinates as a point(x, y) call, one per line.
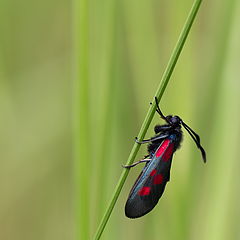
point(124, 47)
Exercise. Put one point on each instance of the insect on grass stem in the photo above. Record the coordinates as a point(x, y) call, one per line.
point(160, 90)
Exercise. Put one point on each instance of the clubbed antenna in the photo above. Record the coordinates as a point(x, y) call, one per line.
point(159, 111)
point(196, 139)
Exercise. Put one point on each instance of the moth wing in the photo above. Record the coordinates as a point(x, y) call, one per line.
point(150, 184)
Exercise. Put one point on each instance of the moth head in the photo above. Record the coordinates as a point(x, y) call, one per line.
point(173, 120)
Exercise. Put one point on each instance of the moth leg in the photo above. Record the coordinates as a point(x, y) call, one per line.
point(151, 139)
point(143, 141)
point(136, 163)
point(162, 128)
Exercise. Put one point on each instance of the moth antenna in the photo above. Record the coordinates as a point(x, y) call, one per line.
point(158, 110)
point(196, 139)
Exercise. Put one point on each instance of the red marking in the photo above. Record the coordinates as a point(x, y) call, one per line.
point(153, 172)
point(162, 148)
point(166, 150)
point(144, 191)
point(158, 179)
point(168, 153)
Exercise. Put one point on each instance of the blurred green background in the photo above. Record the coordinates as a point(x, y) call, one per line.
point(123, 51)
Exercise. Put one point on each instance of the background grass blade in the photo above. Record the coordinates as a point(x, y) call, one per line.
point(81, 118)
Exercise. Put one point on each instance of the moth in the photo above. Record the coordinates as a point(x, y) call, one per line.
point(151, 182)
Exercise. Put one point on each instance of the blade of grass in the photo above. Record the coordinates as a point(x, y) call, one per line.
point(81, 117)
point(160, 90)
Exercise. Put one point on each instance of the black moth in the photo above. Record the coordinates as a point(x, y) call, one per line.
point(151, 182)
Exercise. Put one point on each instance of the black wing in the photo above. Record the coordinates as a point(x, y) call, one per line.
point(151, 183)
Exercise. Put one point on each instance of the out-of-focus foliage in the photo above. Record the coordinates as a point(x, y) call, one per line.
point(35, 103)
point(129, 44)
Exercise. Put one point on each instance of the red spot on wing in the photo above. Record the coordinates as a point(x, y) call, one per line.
point(158, 179)
point(168, 153)
point(153, 172)
point(144, 191)
point(162, 148)
point(166, 150)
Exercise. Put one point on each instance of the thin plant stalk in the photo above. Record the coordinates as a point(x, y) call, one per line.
point(81, 116)
point(160, 90)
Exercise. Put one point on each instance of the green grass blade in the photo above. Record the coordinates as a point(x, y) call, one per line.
point(81, 117)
